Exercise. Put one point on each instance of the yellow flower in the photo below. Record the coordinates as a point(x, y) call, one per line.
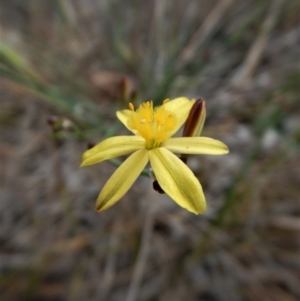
point(153, 129)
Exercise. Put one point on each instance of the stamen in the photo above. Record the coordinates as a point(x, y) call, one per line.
point(131, 106)
point(166, 100)
point(147, 104)
point(155, 125)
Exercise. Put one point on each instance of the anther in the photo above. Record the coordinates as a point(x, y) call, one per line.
point(131, 106)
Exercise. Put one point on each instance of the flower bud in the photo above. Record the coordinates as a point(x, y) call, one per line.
point(194, 123)
point(58, 123)
point(155, 184)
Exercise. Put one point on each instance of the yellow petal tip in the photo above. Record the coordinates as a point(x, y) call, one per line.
point(98, 209)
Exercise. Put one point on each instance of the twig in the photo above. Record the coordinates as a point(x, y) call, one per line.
point(142, 257)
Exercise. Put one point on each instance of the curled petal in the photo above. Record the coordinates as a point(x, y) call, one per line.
point(196, 145)
point(111, 148)
point(177, 180)
point(122, 179)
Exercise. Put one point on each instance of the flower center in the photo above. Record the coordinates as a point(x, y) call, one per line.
point(155, 125)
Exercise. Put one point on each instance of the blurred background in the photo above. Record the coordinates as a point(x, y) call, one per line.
point(66, 67)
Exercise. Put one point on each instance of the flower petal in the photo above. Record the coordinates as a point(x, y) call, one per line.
point(181, 108)
point(122, 179)
point(177, 180)
point(195, 145)
point(111, 148)
point(123, 116)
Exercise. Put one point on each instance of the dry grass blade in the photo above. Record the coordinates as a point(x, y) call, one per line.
point(209, 25)
point(244, 73)
point(140, 266)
